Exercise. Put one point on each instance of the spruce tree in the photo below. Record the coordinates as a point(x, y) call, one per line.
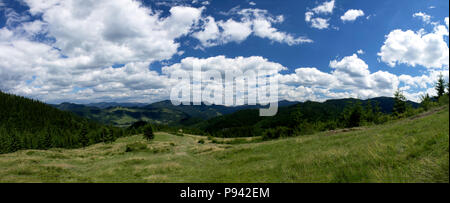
point(368, 113)
point(440, 86)
point(47, 141)
point(83, 139)
point(148, 132)
point(109, 135)
point(425, 102)
point(356, 115)
point(400, 103)
point(448, 88)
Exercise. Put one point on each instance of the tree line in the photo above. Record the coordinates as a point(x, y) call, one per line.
point(31, 124)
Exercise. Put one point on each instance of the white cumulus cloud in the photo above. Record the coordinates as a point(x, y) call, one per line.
point(352, 15)
point(416, 48)
point(255, 22)
point(83, 40)
point(325, 8)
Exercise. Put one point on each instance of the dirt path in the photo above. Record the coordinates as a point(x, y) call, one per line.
point(432, 111)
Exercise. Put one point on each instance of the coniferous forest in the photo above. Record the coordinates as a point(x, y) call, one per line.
point(31, 124)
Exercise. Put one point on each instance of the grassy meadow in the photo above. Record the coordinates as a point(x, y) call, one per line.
point(408, 150)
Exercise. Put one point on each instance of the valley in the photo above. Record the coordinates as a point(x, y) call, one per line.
point(405, 150)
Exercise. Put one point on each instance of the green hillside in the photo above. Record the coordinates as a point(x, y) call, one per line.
point(164, 112)
point(302, 118)
point(31, 124)
point(216, 118)
point(413, 149)
point(125, 116)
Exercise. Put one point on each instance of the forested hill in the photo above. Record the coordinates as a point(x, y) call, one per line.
point(31, 124)
point(164, 112)
point(305, 116)
point(386, 104)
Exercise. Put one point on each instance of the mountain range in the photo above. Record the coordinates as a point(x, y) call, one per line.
point(164, 112)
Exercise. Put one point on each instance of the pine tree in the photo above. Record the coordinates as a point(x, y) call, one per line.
point(377, 114)
point(400, 103)
point(425, 102)
point(356, 115)
point(83, 139)
point(14, 144)
point(440, 86)
point(448, 88)
point(31, 124)
point(148, 132)
point(47, 141)
point(297, 118)
point(368, 113)
point(108, 135)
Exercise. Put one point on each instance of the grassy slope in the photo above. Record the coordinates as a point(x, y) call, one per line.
point(410, 150)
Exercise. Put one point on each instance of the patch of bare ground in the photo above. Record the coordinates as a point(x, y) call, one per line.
point(344, 130)
point(430, 112)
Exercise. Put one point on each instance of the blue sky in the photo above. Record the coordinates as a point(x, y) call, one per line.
point(122, 51)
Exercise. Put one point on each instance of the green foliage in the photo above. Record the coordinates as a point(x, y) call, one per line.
point(440, 86)
point(83, 139)
point(402, 151)
point(202, 141)
point(304, 118)
point(444, 100)
point(148, 132)
point(400, 104)
point(448, 88)
point(136, 147)
point(426, 102)
point(372, 113)
point(354, 116)
point(30, 124)
point(277, 132)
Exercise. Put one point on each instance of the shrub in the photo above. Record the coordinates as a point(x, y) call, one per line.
point(136, 147)
point(443, 100)
point(277, 132)
point(305, 128)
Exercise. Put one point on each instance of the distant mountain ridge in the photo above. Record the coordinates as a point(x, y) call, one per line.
point(164, 112)
point(104, 105)
point(248, 123)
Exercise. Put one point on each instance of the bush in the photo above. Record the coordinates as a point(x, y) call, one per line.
point(382, 119)
point(305, 128)
point(443, 100)
point(136, 147)
point(277, 132)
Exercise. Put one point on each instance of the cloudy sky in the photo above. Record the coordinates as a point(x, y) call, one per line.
point(124, 50)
